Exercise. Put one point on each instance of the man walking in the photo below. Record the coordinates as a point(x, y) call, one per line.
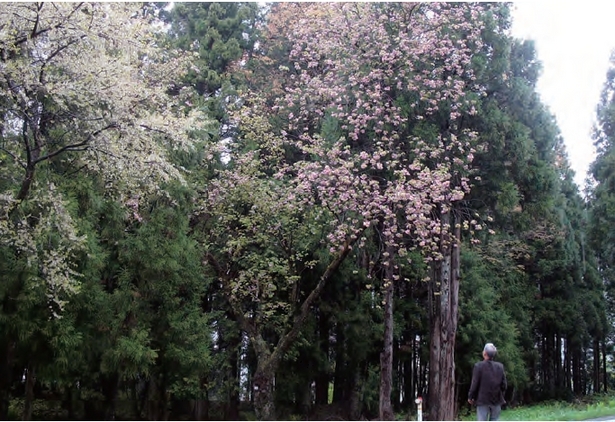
point(488, 386)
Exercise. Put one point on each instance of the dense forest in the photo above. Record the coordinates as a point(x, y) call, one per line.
point(290, 211)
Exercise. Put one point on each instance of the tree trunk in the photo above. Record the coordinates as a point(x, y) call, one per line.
point(576, 371)
point(322, 376)
point(445, 294)
point(6, 378)
point(264, 405)
point(157, 399)
point(26, 183)
point(110, 387)
point(567, 366)
point(386, 356)
point(68, 402)
point(410, 373)
point(232, 408)
point(267, 359)
point(559, 373)
point(604, 372)
point(201, 406)
point(340, 363)
point(355, 397)
point(29, 399)
point(596, 365)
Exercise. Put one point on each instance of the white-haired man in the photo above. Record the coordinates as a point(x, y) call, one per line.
point(488, 386)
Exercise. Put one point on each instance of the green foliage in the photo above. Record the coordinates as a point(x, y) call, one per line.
point(486, 316)
point(602, 194)
point(218, 33)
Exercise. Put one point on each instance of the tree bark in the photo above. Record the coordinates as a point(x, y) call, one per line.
point(576, 371)
point(264, 405)
point(386, 356)
point(596, 365)
point(339, 379)
point(604, 372)
point(233, 341)
point(355, 395)
point(559, 373)
point(567, 364)
point(322, 376)
point(445, 294)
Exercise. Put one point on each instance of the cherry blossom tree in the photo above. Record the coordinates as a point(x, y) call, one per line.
point(340, 127)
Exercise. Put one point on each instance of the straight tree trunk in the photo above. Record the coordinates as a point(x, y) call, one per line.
point(583, 365)
point(596, 365)
point(151, 407)
point(197, 410)
point(423, 387)
point(339, 379)
point(444, 319)
point(576, 372)
point(6, 377)
point(110, 387)
point(205, 406)
point(70, 396)
point(355, 396)
point(406, 376)
point(559, 373)
point(386, 356)
point(29, 399)
point(232, 408)
point(567, 364)
point(322, 376)
point(397, 380)
point(604, 372)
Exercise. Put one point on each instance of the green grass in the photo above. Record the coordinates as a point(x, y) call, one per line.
point(557, 411)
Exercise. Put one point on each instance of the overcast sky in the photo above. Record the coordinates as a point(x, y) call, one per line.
point(574, 41)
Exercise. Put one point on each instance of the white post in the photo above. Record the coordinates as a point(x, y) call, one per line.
point(419, 406)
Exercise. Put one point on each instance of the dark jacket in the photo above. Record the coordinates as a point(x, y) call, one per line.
point(488, 383)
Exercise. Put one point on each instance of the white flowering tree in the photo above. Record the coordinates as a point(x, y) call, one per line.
point(82, 85)
point(84, 90)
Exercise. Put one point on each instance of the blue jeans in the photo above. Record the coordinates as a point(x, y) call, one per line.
point(488, 412)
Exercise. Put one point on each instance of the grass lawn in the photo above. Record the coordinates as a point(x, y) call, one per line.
point(557, 411)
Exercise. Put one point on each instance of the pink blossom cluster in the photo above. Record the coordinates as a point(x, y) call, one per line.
point(359, 77)
point(352, 62)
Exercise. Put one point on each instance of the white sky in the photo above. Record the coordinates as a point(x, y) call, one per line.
point(573, 41)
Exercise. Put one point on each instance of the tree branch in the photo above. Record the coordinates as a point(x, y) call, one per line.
point(287, 339)
point(24, 137)
point(77, 145)
point(35, 32)
point(223, 276)
point(55, 53)
point(14, 157)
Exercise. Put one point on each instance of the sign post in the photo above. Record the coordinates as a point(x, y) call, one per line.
point(419, 406)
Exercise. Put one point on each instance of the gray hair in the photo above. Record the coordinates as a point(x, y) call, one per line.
point(490, 350)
